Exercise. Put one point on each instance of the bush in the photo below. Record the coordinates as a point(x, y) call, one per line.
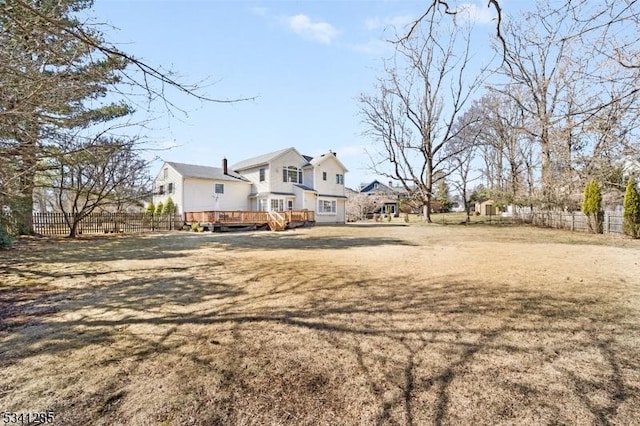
point(151, 209)
point(6, 239)
point(592, 206)
point(159, 208)
point(631, 224)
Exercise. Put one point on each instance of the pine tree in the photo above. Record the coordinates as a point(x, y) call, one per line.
point(631, 225)
point(159, 208)
point(50, 83)
point(169, 207)
point(151, 209)
point(592, 206)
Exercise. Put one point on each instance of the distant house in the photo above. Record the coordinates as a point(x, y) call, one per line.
point(277, 181)
point(386, 197)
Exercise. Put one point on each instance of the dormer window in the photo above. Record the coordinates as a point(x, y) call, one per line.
point(292, 174)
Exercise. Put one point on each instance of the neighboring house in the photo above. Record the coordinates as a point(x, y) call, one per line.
point(277, 181)
point(386, 198)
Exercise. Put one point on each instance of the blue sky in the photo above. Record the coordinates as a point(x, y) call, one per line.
point(305, 62)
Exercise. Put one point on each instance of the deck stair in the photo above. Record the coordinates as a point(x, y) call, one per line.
point(277, 221)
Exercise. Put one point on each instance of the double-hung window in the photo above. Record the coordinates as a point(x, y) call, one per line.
point(262, 174)
point(340, 179)
point(219, 188)
point(326, 206)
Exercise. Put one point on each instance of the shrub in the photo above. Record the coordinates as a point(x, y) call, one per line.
point(159, 208)
point(6, 239)
point(169, 207)
point(151, 209)
point(592, 206)
point(631, 224)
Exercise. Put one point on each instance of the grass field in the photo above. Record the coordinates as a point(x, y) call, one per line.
point(361, 324)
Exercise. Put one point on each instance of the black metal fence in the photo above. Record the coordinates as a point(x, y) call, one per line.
point(104, 223)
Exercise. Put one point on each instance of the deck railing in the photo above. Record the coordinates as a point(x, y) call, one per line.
point(247, 216)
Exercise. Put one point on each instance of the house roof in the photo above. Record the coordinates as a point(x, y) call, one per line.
point(205, 172)
point(371, 187)
point(259, 160)
point(266, 194)
point(305, 188)
point(319, 159)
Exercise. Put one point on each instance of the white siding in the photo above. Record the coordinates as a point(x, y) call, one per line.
point(199, 195)
point(338, 217)
point(289, 158)
point(253, 175)
point(172, 176)
point(332, 168)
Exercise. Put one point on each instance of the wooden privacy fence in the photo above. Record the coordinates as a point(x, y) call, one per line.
point(574, 221)
point(101, 223)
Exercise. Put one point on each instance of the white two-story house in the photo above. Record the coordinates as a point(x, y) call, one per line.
point(277, 181)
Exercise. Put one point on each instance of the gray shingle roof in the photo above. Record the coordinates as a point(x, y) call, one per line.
point(205, 172)
point(256, 161)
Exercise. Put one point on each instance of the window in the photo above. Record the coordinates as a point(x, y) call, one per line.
point(324, 175)
point(161, 189)
point(165, 173)
point(262, 172)
point(277, 205)
point(262, 205)
point(292, 174)
point(290, 204)
point(340, 179)
point(219, 188)
point(326, 206)
point(170, 188)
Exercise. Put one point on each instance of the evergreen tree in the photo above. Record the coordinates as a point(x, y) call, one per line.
point(50, 83)
point(159, 208)
point(592, 206)
point(631, 224)
point(169, 207)
point(151, 209)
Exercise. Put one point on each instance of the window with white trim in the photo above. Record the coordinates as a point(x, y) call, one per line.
point(170, 187)
point(219, 188)
point(340, 179)
point(292, 174)
point(326, 206)
point(165, 173)
point(324, 175)
point(277, 204)
point(262, 174)
point(263, 204)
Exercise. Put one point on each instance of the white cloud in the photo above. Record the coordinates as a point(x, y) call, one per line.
point(302, 25)
point(477, 14)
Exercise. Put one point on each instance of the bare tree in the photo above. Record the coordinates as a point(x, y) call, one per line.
point(87, 175)
point(411, 116)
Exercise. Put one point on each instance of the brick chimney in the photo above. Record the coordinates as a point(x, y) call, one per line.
point(225, 169)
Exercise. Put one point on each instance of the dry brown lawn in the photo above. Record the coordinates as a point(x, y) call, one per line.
point(353, 325)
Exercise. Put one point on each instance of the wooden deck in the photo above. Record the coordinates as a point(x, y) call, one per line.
point(277, 221)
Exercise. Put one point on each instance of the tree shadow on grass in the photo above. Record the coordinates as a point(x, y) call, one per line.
point(178, 244)
point(282, 350)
